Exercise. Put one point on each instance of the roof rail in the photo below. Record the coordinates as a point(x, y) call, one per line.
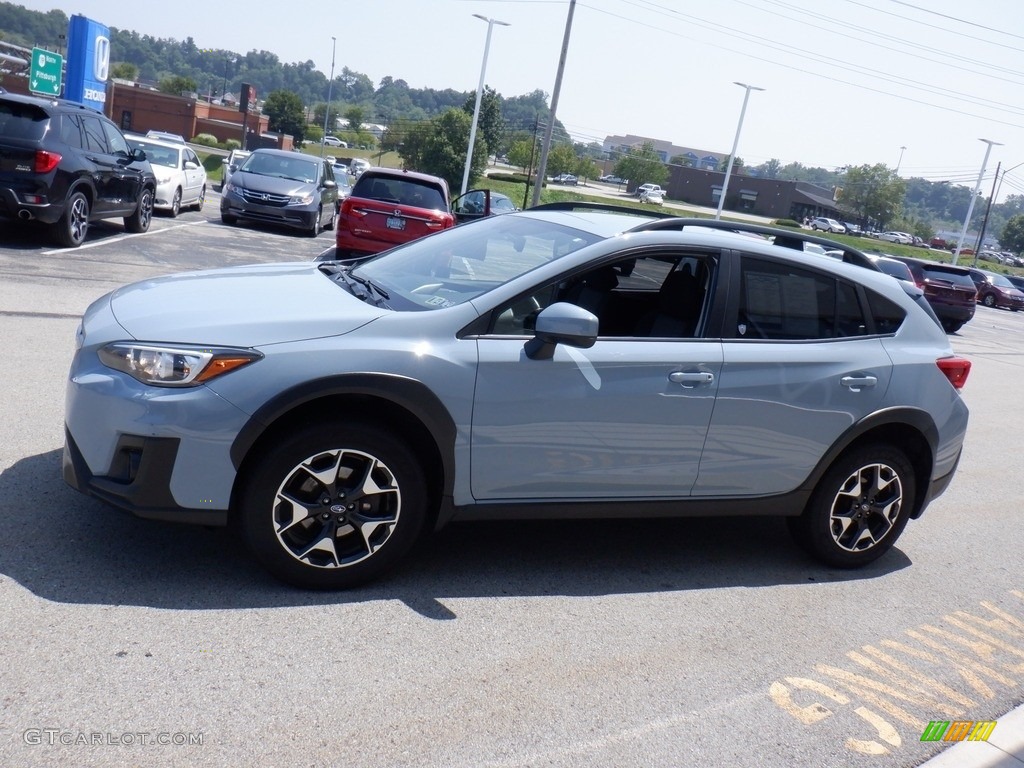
point(579, 205)
point(782, 236)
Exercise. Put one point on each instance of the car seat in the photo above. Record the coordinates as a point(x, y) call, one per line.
point(593, 292)
point(677, 309)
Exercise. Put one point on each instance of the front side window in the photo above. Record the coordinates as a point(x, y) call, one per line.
point(116, 141)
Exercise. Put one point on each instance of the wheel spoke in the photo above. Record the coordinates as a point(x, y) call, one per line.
point(866, 507)
point(300, 512)
point(327, 476)
point(323, 544)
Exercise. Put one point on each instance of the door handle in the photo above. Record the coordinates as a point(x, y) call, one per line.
point(691, 378)
point(857, 383)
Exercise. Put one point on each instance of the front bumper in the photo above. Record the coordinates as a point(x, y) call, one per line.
point(289, 216)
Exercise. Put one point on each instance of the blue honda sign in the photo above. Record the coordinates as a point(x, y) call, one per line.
point(88, 62)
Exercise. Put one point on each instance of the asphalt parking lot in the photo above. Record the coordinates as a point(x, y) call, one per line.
point(625, 643)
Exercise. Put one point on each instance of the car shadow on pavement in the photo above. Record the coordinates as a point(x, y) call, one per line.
point(65, 547)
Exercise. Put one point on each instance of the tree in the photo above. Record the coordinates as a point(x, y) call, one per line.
point(321, 116)
point(770, 169)
point(737, 164)
point(561, 159)
point(642, 166)
point(490, 125)
point(177, 85)
point(875, 192)
point(586, 168)
point(521, 154)
point(683, 160)
point(286, 113)
point(124, 70)
point(1012, 237)
point(439, 147)
point(355, 116)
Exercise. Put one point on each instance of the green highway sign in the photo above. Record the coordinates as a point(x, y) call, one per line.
point(46, 72)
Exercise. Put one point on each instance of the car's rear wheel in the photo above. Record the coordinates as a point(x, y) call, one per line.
point(334, 217)
point(176, 203)
point(859, 508)
point(951, 326)
point(333, 505)
point(143, 216)
point(71, 228)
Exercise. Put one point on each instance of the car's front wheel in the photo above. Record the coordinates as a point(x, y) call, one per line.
point(176, 203)
point(314, 230)
point(859, 508)
point(333, 505)
point(989, 300)
point(202, 199)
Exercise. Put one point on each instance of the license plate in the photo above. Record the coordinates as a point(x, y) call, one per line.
point(396, 222)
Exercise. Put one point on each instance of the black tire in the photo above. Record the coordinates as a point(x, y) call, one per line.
point(951, 326)
point(227, 218)
point(202, 199)
point(329, 226)
point(176, 203)
point(859, 508)
point(143, 216)
point(354, 519)
point(315, 229)
point(989, 300)
point(70, 230)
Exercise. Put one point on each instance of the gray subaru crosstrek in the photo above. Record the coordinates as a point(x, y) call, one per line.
point(556, 362)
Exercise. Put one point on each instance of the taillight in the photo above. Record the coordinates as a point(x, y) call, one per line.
point(955, 369)
point(46, 161)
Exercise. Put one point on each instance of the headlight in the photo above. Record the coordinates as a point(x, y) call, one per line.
point(305, 199)
point(229, 189)
point(173, 366)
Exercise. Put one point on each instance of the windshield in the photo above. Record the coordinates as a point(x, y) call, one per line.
point(1001, 281)
point(460, 264)
point(293, 168)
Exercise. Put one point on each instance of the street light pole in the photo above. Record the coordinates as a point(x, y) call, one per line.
point(735, 144)
point(330, 88)
point(974, 196)
point(900, 161)
point(479, 96)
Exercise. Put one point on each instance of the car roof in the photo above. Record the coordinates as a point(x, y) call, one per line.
point(397, 173)
point(43, 102)
point(283, 153)
point(158, 142)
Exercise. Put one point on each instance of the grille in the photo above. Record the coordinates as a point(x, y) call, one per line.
point(264, 198)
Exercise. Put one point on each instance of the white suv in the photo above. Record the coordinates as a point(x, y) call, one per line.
point(827, 225)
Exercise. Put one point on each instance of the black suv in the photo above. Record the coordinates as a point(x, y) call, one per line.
point(66, 165)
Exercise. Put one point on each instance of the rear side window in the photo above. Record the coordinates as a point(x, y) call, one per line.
point(888, 316)
point(95, 141)
point(22, 121)
point(70, 133)
point(412, 192)
point(781, 302)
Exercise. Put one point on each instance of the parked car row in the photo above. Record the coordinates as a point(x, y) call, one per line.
point(180, 175)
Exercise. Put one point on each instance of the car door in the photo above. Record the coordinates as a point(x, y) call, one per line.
point(626, 418)
point(195, 175)
point(328, 188)
point(798, 371)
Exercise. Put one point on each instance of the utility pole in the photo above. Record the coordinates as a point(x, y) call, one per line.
point(542, 166)
point(984, 221)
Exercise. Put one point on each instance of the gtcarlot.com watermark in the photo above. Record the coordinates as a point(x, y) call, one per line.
point(52, 737)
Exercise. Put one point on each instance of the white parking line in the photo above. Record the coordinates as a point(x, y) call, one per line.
point(126, 236)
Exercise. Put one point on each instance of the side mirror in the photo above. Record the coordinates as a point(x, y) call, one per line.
point(190, 166)
point(330, 184)
point(138, 155)
point(561, 323)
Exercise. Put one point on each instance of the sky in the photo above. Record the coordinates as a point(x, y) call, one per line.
point(913, 84)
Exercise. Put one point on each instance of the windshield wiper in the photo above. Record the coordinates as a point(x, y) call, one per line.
point(368, 285)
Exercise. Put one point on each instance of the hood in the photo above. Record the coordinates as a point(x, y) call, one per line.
point(274, 185)
point(240, 306)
